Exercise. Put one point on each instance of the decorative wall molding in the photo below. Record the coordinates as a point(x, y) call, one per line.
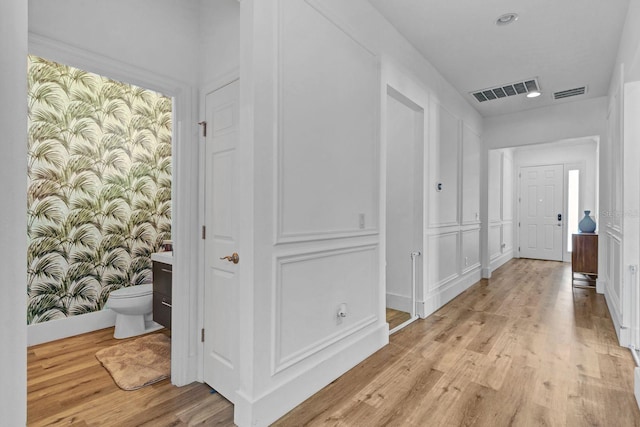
point(282, 361)
point(440, 278)
point(285, 232)
point(341, 357)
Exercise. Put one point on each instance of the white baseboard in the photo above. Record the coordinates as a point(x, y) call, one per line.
point(75, 325)
point(501, 260)
point(447, 292)
point(398, 302)
point(636, 385)
point(624, 334)
point(264, 410)
point(486, 273)
point(600, 285)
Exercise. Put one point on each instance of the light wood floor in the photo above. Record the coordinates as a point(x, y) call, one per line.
point(396, 317)
point(66, 385)
point(522, 349)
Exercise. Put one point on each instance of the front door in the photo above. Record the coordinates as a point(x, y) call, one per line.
point(541, 212)
point(221, 241)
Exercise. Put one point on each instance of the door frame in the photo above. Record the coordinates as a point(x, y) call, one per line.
point(394, 78)
point(184, 364)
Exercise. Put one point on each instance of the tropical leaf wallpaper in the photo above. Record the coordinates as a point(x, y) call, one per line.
point(99, 187)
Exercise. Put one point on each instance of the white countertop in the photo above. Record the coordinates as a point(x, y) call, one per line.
point(164, 257)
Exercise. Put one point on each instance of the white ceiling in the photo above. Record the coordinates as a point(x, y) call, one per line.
point(564, 43)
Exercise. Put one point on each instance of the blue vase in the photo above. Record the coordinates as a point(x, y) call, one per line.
point(586, 224)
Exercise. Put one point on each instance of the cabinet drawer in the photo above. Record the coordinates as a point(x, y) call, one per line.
point(162, 274)
point(162, 309)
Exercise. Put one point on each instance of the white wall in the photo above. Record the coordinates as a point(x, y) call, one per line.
point(13, 220)
point(619, 241)
point(219, 53)
point(559, 122)
point(500, 208)
point(158, 36)
point(619, 157)
point(313, 124)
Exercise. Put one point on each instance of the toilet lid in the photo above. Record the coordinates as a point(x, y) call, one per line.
point(132, 291)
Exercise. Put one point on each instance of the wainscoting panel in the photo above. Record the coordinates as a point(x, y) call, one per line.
point(470, 250)
point(337, 113)
point(470, 176)
point(495, 240)
point(329, 279)
point(443, 258)
point(444, 167)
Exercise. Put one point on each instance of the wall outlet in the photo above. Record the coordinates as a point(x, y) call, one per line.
point(466, 261)
point(361, 221)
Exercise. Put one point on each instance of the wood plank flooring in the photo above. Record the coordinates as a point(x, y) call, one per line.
point(521, 349)
point(66, 385)
point(396, 317)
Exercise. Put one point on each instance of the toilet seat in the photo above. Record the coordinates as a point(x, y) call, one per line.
point(132, 291)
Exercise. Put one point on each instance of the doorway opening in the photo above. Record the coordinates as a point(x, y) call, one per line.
point(404, 208)
point(99, 187)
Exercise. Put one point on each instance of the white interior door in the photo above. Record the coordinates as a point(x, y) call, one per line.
point(541, 212)
point(221, 214)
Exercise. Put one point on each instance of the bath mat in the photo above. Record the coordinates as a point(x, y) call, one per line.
point(138, 363)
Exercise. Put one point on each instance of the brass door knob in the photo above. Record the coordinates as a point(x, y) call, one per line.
point(234, 258)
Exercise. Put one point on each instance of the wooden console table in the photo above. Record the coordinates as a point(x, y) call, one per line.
point(584, 260)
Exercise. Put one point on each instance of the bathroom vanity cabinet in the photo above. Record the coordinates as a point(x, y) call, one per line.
point(162, 280)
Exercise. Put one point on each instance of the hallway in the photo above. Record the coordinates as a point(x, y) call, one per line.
point(522, 348)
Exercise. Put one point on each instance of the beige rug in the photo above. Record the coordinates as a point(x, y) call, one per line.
point(138, 363)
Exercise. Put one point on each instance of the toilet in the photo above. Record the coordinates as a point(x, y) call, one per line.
point(133, 306)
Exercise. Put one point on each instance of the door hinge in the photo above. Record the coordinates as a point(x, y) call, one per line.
point(518, 224)
point(204, 232)
point(202, 335)
point(518, 248)
point(204, 128)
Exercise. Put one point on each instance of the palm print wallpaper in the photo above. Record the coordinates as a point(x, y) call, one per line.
point(99, 188)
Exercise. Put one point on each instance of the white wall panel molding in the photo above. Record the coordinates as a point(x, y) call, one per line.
point(495, 239)
point(434, 231)
point(331, 278)
point(470, 170)
point(443, 255)
point(444, 181)
point(470, 254)
point(471, 227)
point(267, 407)
point(339, 112)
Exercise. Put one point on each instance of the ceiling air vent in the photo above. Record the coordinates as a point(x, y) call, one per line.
point(570, 92)
point(504, 91)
